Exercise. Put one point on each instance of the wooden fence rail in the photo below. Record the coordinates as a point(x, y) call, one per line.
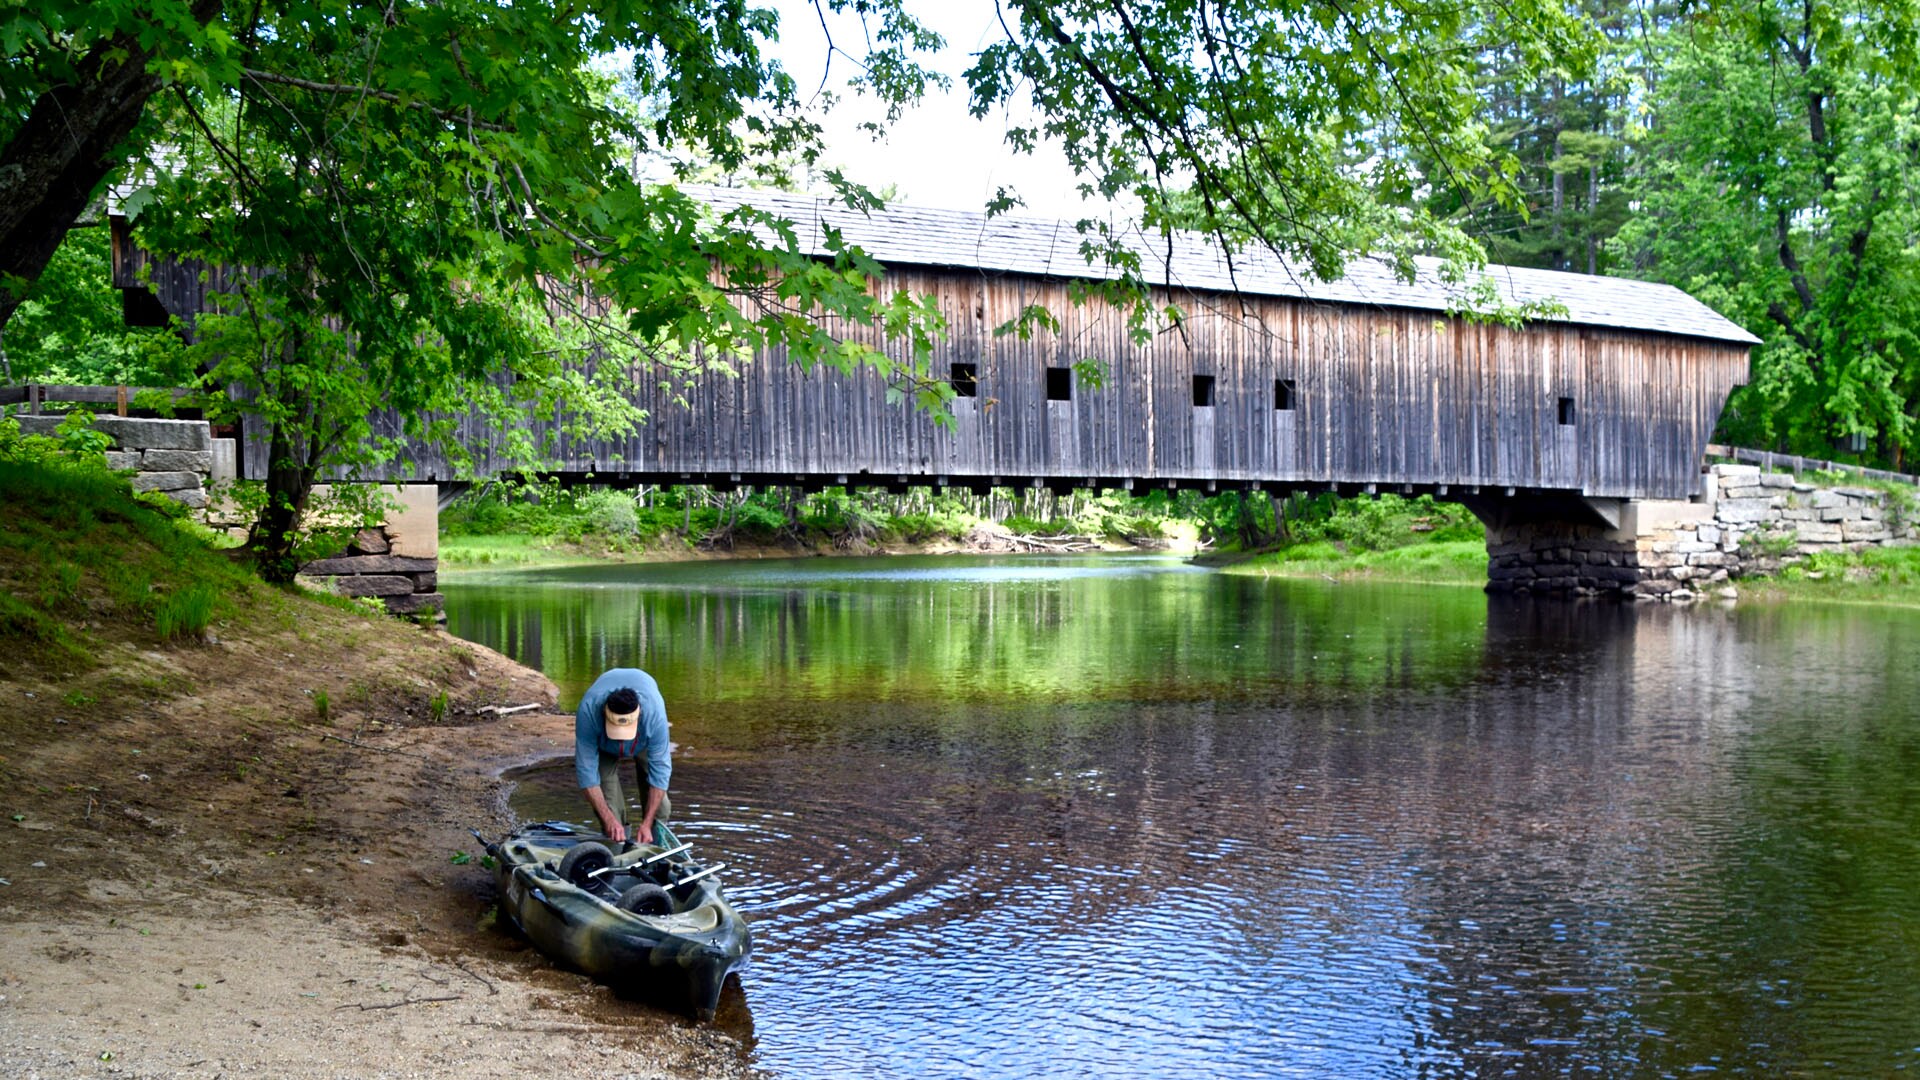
point(36, 395)
point(1767, 459)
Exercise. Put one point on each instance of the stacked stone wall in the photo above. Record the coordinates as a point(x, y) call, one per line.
point(1763, 521)
point(397, 562)
point(1555, 556)
point(406, 585)
point(173, 457)
point(1750, 522)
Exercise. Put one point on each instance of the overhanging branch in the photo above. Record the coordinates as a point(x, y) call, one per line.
point(449, 115)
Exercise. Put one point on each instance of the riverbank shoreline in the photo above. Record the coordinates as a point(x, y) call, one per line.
point(249, 854)
point(461, 554)
point(142, 906)
point(1888, 578)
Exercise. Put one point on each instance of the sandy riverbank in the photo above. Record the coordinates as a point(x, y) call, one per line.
point(207, 877)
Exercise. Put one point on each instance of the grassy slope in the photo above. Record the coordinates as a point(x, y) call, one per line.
point(241, 709)
point(1887, 576)
point(1440, 562)
point(82, 563)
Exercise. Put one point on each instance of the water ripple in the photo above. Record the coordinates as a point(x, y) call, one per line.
point(1253, 831)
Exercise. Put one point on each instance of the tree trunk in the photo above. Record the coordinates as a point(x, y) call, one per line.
point(1593, 204)
point(293, 456)
point(71, 139)
point(289, 485)
point(1559, 204)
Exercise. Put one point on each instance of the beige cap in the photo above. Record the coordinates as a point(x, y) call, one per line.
point(622, 726)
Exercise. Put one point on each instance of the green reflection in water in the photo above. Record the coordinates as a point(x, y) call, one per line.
point(977, 630)
point(1817, 962)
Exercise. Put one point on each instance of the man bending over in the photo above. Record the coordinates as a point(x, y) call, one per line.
point(622, 716)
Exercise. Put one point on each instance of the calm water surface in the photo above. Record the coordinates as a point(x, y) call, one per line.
point(1119, 817)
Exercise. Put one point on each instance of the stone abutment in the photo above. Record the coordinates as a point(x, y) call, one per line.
point(397, 561)
point(1748, 522)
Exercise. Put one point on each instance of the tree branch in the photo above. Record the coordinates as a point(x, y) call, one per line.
point(66, 141)
point(1792, 264)
point(1778, 313)
point(448, 115)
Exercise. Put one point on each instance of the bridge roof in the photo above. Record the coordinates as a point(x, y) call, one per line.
point(918, 236)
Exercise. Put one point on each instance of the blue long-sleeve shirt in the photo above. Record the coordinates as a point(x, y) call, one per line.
point(590, 735)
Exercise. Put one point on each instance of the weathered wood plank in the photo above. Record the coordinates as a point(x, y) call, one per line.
point(1380, 395)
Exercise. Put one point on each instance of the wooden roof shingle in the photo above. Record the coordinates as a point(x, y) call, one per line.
point(918, 236)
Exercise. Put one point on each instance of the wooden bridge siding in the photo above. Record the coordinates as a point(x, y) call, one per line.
point(777, 419)
point(1382, 396)
point(1386, 397)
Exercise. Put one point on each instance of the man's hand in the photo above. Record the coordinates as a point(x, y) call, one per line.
point(644, 834)
point(609, 819)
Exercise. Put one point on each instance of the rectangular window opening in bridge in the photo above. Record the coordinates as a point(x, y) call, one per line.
point(966, 380)
point(1566, 412)
point(1203, 391)
point(1059, 384)
point(1283, 395)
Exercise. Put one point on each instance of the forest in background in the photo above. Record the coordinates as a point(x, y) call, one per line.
point(1761, 155)
point(504, 525)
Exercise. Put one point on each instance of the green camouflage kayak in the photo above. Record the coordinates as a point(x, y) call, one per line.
point(650, 917)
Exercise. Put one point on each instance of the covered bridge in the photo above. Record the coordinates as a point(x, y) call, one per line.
point(1273, 380)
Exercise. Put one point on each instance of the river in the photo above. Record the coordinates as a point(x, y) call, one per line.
point(1121, 816)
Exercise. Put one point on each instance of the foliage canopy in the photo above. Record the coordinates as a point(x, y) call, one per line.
point(1781, 184)
point(433, 207)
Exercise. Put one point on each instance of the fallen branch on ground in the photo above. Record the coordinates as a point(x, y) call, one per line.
point(363, 1007)
point(492, 991)
point(1060, 542)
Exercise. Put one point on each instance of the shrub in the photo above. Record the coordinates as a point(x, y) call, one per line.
point(919, 528)
point(609, 513)
point(1772, 545)
point(758, 515)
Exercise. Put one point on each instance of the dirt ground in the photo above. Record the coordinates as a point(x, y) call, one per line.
point(238, 858)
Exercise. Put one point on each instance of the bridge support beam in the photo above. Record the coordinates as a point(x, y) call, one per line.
point(397, 561)
point(1574, 545)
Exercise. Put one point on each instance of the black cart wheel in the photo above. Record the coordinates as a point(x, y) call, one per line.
point(644, 899)
point(582, 859)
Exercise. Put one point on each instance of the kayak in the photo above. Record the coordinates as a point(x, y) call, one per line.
point(648, 917)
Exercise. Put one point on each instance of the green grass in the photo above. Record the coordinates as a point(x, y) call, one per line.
point(1883, 576)
point(511, 551)
point(82, 560)
point(185, 614)
point(1438, 562)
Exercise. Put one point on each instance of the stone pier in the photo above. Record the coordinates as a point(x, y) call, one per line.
point(1747, 522)
point(172, 457)
point(397, 561)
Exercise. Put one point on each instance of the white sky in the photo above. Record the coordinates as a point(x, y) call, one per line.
point(938, 154)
